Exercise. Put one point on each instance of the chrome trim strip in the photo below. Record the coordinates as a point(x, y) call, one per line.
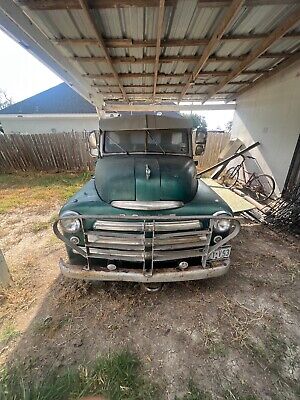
point(159, 243)
point(133, 275)
point(137, 255)
point(147, 205)
point(134, 226)
point(148, 226)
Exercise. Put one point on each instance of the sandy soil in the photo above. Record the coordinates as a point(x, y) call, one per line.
point(238, 333)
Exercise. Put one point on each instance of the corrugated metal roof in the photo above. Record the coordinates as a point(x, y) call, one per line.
point(183, 20)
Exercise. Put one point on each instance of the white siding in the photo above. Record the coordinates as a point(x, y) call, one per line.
point(38, 124)
point(270, 113)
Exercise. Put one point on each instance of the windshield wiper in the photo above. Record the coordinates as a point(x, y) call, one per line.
point(155, 142)
point(117, 144)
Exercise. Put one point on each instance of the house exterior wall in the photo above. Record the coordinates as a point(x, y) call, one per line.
point(49, 123)
point(270, 113)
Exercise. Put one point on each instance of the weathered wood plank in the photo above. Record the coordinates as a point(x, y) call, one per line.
point(66, 151)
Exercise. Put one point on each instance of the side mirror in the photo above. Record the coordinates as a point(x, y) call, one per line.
point(93, 144)
point(201, 136)
point(199, 150)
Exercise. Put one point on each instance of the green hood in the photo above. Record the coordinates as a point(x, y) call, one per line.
point(146, 178)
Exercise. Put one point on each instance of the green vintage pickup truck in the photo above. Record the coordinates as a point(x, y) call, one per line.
point(144, 216)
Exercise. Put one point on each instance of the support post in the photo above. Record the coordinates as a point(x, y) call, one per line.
point(5, 278)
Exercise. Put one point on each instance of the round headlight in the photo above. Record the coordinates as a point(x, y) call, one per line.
point(222, 225)
point(70, 225)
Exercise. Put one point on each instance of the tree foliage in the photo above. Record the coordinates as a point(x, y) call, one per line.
point(199, 121)
point(228, 126)
point(5, 101)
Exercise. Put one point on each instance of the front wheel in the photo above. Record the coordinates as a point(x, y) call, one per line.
point(262, 186)
point(231, 178)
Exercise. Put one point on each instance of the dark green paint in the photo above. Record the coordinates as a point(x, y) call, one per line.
point(147, 188)
point(123, 177)
point(87, 201)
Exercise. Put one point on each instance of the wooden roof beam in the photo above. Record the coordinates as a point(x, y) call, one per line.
point(103, 4)
point(203, 75)
point(161, 10)
point(279, 68)
point(166, 96)
point(130, 43)
point(171, 59)
point(278, 32)
point(117, 107)
point(165, 86)
point(227, 20)
point(88, 14)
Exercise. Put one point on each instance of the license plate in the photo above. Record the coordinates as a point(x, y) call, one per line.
point(218, 254)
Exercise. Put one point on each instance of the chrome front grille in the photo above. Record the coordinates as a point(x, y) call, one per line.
point(147, 240)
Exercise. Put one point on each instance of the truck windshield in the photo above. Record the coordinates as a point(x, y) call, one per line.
point(151, 141)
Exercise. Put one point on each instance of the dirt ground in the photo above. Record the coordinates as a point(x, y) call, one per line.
point(238, 334)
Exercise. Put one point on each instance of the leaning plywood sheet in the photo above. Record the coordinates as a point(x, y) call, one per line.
point(236, 202)
point(231, 148)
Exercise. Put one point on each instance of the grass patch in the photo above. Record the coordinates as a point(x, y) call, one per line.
point(272, 352)
point(115, 377)
point(40, 226)
point(48, 325)
point(43, 225)
point(35, 189)
point(235, 395)
point(194, 393)
point(8, 333)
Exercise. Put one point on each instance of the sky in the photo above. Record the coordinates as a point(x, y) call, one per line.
point(22, 76)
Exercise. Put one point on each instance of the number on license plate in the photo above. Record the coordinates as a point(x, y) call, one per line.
point(220, 253)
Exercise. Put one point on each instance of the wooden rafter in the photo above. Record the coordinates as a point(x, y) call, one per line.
point(131, 43)
point(166, 86)
point(170, 59)
point(226, 22)
point(161, 96)
point(279, 68)
point(202, 75)
point(113, 107)
point(102, 4)
point(161, 10)
point(88, 14)
point(263, 46)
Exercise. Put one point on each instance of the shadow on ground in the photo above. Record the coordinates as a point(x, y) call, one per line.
point(234, 334)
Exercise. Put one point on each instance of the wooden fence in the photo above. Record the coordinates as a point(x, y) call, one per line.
point(216, 141)
point(45, 152)
point(69, 151)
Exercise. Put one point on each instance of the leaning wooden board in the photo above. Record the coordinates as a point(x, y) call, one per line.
point(236, 202)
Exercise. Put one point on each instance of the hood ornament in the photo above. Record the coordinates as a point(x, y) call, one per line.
point(148, 172)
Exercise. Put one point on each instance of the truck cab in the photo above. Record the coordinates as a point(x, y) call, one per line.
point(145, 216)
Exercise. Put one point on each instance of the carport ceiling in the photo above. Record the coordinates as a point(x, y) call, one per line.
point(168, 50)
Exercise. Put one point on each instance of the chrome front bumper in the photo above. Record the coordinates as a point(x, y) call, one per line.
point(147, 241)
point(134, 275)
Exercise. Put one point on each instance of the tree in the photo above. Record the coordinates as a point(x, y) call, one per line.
point(228, 126)
point(199, 121)
point(5, 101)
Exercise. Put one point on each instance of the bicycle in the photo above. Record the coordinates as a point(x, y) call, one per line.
point(261, 186)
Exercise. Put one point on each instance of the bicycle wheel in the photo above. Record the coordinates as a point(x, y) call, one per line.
point(262, 186)
point(232, 176)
